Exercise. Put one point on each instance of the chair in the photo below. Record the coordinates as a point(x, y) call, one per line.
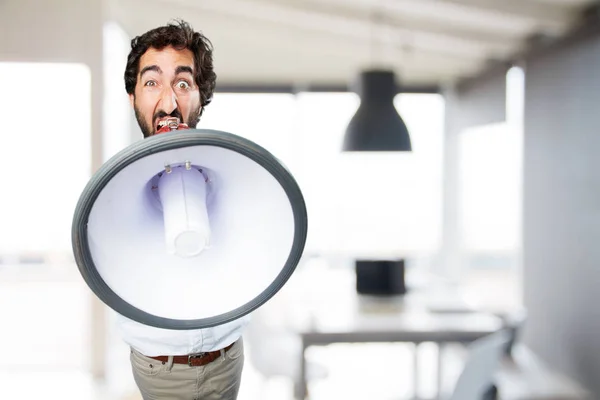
point(483, 360)
point(514, 322)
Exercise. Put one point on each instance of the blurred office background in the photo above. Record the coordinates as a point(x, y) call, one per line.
point(500, 98)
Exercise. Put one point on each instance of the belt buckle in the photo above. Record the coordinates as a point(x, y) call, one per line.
point(195, 355)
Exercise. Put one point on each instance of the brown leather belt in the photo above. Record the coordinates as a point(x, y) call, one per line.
point(194, 360)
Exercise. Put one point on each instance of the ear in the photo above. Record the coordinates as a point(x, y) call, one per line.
point(131, 99)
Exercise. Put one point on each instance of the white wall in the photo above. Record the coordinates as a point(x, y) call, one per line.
point(561, 213)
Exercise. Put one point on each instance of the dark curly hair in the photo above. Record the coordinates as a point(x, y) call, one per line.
point(180, 35)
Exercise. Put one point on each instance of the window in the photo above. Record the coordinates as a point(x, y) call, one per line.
point(45, 156)
point(490, 205)
point(490, 170)
point(45, 153)
point(305, 131)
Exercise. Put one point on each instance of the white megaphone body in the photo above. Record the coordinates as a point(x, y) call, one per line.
point(189, 229)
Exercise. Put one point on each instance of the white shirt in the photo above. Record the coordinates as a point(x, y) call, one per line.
point(153, 341)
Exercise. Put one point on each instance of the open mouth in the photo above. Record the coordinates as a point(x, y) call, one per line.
point(171, 122)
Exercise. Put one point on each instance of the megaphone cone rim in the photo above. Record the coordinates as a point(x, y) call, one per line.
point(169, 141)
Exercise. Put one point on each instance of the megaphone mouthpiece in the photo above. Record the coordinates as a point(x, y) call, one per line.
point(171, 124)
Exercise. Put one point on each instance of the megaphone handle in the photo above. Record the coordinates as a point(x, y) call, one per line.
point(182, 193)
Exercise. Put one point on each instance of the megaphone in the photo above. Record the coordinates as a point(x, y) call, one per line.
point(189, 229)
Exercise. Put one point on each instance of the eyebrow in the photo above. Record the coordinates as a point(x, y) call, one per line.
point(179, 70)
point(150, 68)
point(184, 68)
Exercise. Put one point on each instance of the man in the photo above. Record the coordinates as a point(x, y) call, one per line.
point(169, 74)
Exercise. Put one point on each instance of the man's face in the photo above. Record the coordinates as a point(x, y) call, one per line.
point(165, 88)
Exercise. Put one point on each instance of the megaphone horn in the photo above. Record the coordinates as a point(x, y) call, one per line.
point(188, 230)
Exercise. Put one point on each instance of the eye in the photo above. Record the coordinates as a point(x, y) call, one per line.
point(183, 85)
point(150, 83)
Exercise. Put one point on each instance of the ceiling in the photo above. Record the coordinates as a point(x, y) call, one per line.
point(303, 43)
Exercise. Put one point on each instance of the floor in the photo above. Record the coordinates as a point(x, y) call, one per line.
point(387, 375)
point(45, 341)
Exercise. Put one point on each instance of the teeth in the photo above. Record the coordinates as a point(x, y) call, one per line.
point(168, 121)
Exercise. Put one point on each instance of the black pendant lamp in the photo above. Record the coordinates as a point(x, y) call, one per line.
point(377, 126)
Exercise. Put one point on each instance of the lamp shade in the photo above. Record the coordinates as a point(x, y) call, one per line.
point(377, 126)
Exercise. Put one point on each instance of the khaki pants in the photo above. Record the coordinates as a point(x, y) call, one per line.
point(219, 379)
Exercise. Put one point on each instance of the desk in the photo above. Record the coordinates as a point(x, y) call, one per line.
point(414, 328)
point(340, 315)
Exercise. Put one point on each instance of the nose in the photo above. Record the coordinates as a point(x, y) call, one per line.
point(168, 100)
